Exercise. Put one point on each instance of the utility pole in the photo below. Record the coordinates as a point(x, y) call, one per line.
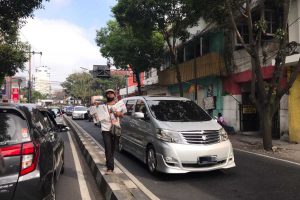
point(29, 71)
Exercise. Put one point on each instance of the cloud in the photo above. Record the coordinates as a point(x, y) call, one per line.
point(65, 46)
point(60, 3)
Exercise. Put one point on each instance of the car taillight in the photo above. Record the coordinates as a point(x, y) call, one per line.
point(30, 155)
point(9, 151)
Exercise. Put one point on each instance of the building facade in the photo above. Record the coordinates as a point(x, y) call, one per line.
point(42, 80)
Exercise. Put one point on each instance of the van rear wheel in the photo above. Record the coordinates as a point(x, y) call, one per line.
point(151, 160)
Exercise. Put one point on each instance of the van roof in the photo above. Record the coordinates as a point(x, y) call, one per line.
point(155, 98)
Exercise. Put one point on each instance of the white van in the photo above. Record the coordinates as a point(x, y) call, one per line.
point(174, 135)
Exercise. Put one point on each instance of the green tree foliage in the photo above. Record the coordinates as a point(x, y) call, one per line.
point(124, 47)
point(265, 94)
point(83, 85)
point(36, 95)
point(171, 18)
point(13, 52)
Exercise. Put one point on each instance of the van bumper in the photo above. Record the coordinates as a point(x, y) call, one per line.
point(184, 158)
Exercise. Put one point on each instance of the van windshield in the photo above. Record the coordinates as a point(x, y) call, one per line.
point(177, 111)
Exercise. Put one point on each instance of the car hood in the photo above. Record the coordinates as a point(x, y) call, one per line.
point(190, 126)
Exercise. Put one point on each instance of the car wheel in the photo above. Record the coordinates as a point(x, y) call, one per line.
point(151, 160)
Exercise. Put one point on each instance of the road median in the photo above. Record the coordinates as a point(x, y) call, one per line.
point(115, 186)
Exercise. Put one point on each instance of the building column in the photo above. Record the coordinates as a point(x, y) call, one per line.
point(294, 111)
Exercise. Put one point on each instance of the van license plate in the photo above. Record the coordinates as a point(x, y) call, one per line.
point(207, 160)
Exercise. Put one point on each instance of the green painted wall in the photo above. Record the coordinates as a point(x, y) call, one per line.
point(204, 83)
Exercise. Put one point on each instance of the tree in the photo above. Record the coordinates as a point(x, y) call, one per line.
point(83, 85)
point(124, 47)
point(36, 95)
point(13, 52)
point(265, 95)
point(171, 18)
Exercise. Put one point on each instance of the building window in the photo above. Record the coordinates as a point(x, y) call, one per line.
point(243, 30)
point(272, 22)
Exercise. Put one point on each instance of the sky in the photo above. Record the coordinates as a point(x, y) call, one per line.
point(65, 33)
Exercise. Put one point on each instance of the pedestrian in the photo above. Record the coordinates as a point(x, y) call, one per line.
point(110, 115)
point(221, 121)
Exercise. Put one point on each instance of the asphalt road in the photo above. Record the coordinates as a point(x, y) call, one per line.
point(254, 178)
point(76, 182)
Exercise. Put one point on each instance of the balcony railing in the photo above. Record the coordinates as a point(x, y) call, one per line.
point(207, 65)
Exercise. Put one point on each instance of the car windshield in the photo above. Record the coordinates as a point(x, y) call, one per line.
point(177, 111)
point(80, 109)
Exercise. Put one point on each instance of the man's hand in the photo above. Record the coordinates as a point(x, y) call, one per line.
point(118, 114)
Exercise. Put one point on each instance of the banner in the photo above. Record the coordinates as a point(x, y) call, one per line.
point(15, 95)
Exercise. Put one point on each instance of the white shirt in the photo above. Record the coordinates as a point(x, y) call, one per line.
point(106, 119)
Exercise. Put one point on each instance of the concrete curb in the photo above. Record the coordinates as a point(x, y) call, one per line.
point(115, 186)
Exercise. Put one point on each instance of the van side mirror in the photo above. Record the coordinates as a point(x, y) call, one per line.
point(139, 115)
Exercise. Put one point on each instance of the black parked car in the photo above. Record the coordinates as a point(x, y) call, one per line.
point(32, 153)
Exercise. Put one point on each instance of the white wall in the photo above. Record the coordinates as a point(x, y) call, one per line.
point(293, 18)
point(153, 79)
point(231, 111)
point(284, 115)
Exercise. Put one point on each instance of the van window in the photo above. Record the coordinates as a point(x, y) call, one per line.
point(129, 106)
point(177, 111)
point(13, 129)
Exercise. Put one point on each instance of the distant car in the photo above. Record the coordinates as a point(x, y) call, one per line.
point(69, 110)
point(57, 112)
point(32, 152)
point(80, 112)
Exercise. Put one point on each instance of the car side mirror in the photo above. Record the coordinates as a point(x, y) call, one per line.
point(139, 115)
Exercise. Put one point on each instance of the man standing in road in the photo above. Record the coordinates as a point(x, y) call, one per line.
point(109, 115)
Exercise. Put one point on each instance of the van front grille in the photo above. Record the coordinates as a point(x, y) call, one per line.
point(201, 137)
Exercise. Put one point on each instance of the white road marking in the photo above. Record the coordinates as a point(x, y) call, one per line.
point(270, 157)
point(130, 175)
point(84, 192)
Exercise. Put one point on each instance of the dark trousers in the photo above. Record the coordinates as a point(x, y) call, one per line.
point(110, 144)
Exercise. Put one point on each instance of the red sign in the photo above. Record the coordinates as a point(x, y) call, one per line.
point(15, 95)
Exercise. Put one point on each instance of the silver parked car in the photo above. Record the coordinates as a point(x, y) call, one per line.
point(79, 112)
point(174, 135)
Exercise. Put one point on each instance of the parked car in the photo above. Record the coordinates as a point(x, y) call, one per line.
point(174, 135)
point(69, 110)
point(32, 152)
point(80, 112)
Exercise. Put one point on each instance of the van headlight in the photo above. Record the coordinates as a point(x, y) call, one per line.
point(169, 136)
point(223, 135)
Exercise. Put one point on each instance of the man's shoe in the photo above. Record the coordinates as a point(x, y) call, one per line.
point(109, 172)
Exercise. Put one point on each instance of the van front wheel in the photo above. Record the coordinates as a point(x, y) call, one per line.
point(151, 159)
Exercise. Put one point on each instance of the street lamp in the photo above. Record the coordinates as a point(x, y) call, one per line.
point(29, 81)
point(84, 68)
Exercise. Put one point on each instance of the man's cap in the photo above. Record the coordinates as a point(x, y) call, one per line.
point(109, 90)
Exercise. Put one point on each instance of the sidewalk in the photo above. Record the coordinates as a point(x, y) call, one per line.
point(281, 149)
